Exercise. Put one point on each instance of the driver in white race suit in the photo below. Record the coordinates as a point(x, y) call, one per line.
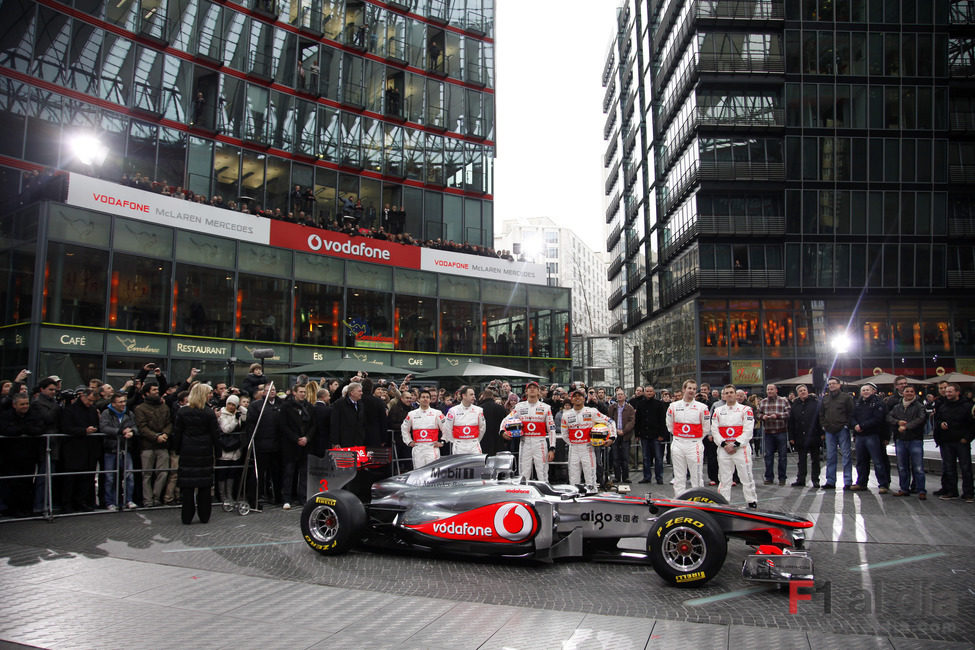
point(537, 445)
point(732, 425)
point(576, 425)
point(421, 431)
point(688, 421)
point(464, 425)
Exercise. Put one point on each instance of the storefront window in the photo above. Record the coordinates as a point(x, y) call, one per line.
point(203, 302)
point(74, 369)
point(415, 320)
point(505, 330)
point(778, 333)
point(714, 333)
point(318, 314)
point(74, 285)
point(195, 248)
point(263, 308)
point(368, 318)
point(140, 293)
point(17, 284)
point(743, 332)
point(459, 327)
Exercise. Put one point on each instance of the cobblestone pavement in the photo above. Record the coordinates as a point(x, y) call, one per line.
point(896, 572)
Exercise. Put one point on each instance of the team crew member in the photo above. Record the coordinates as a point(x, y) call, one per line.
point(537, 445)
point(464, 425)
point(421, 431)
point(732, 426)
point(688, 421)
point(576, 424)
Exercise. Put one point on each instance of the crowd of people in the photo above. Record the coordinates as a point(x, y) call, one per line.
point(351, 217)
point(188, 440)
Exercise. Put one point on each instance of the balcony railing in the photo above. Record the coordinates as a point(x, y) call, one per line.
point(762, 116)
point(612, 178)
point(609, 95)
point(741, 224)
point(741, 278)
point(961, 227)
point(961, 280)
point(674, 290)
point(745, 171)
point(608, 156)
point(609, 124)
point(770, 63)
point(614, 237)
point(614, 268)
point(740, 9)
point(614, 205)
point(615, 298)
point(961, 121)
point(961, 174)
point(671, 247)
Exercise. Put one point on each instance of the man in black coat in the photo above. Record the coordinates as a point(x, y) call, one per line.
point(868, 424)
point(321, 415)
point(18, 454)
point(651, 429)
point(264, 426)
point(79, 419)
point(297, 429)
point(492, 442)
point(394, 419)
point(349, 419)
point(805, 433)
point(375, 424)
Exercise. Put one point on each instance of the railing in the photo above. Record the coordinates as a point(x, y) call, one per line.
point(612, 178)
point(608, 156)
point(608, 68)
point(474, 74)
point(616, 327)
point(397, 49)
point(435, 118)
point(353, 94)
point(741, 224)
point(740, 9)
point(615, 298)
point(676, 97)
point(961, 121)
point(609, 95)
point(672, 291)
point(678, 242)
point(614, 268)
point(762, 117)
point(608, 125)
point(614, 205)
point(741, 278)
point(961, 173)
point(960, 226)
point(614, 236)
point(735, 171)
point(725, 63)
point(961, 280)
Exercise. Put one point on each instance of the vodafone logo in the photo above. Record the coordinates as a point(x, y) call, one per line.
point(508, 527)
point(505, 523)
point(467, 431)
point(686, 428)
point(316, 243)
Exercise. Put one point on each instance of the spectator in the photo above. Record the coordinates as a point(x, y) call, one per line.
point(196, 437)
point(375, 423)
point(868, 423)
point(834, 415)
point(153, 418)
point(624, 416)
point(264, 425)
point(805, 433)
point(79, 420)
point(774, 415)
point(492, 442)
point(297, 430)
point(19, 454)
point(349, 418)
point(231, 420)
point(118, 424)
point(908, 416)
point(651, 428)
point(322, 419)
point(254, 379)
point(954, 423)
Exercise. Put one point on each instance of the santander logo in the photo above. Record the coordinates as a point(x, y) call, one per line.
point(505, 522)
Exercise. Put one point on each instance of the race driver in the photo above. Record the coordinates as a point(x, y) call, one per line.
point(732, 425)
point(576, 423)
point(688, 421)
point(464, 425)
point(421, 431)
point(537, 445)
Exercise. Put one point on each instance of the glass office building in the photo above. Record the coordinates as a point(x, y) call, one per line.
point(780, 173)
point(384, 102)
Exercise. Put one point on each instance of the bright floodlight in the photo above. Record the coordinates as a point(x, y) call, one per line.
point(88, 149)
point(532, 247)
point(841, 343)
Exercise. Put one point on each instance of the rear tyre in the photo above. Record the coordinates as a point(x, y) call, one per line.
point(686, 547)
point(332, 522)
point(704, 495)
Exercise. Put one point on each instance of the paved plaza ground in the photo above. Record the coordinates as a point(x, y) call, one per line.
point(890, 572)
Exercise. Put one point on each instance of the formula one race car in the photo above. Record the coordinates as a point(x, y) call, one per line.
point(473, 504)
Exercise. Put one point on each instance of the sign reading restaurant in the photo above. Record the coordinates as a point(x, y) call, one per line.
point(104, 196)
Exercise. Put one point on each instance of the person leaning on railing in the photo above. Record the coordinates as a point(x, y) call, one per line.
point(18, 454)
point(79, 451)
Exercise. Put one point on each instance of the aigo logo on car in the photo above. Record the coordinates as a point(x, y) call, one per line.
point(507, 522)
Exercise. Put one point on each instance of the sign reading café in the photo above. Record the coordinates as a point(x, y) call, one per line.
point(96, 194)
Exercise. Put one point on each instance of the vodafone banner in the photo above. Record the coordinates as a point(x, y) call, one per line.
point(478, 266)
point(335, 244)
point(104, 196)
point(122, 201)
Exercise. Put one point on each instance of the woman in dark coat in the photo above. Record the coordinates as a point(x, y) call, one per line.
point(196, 438)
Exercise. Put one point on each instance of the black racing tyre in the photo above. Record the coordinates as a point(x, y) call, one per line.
point(686, 547)
point(704, 495)
point(332, 522)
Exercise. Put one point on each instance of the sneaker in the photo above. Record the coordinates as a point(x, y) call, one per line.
point(112, 508)
point(781, 481)
point(766, 482)
point(753, 505)
point(948, 497)
point(922, 496)
point(883, 490)
point(286, 506)
point(130, 505)
point(799, 484)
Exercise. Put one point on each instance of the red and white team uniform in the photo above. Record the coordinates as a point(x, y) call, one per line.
point(464, 426)
point(688, 423)
point(574, 428)
point(422, 428)
point(734, 425)
point(537, 436)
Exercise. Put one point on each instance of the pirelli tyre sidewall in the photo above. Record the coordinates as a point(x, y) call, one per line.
point(332, 522)
point(686, 547)
point(703, 495)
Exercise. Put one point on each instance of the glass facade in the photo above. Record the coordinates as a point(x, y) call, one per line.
point(201, 299)
point(792, 158)
point(244, 101)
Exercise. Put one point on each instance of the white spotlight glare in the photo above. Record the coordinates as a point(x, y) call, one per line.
point(841, 343)
point(88, 149)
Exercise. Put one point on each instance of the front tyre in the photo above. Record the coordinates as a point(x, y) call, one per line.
point(331, 522)
point(686, 547)
point(703, 495)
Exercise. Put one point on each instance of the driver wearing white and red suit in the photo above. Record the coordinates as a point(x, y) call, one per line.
point(732, 426)
point(688, 421)
point(464, 425)
point(575, 427)
point(537, 446)
point(421, 431)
